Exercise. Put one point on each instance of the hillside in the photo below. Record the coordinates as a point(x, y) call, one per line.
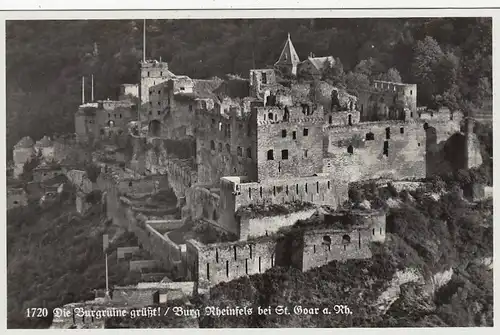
point(54, 257)
point(449, 57)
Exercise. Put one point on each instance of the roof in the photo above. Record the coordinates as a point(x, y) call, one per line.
point(44, 142)
point(320, 62)
point(204, 88)
point(25, 142)
point(288, 54)
point(234, 88)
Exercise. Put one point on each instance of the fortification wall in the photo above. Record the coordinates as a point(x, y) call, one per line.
point(79, 179)
point(320, 190)
point(202, 203)
point(147, 185)
point(159, 246)
point(320, 247)
point(225, 146)
point(223, 262)
point(394, 150)
point(291, 148)
point(180, 177)
point(40, 175)
point(16, 198)
point(134, 297)
point(251, 227)
point(342, 118)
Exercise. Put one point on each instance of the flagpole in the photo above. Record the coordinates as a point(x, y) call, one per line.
point(105, 244)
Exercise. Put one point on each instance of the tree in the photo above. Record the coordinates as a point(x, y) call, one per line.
point(391, 75)
point(356, 82)
point(427, 54)
point(334, 73)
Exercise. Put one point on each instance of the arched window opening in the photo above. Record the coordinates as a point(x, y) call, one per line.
point(350, 149)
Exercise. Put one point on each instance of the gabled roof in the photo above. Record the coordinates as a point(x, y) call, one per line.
point(25, 142)
point(204, 88)
point(320, 62)
point(288, 54)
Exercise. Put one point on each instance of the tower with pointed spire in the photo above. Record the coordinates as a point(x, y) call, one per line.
point(289, 60)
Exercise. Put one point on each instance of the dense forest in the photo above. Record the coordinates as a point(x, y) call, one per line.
point(450, 58)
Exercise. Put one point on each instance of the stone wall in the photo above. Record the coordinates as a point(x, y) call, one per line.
point(125, 252)
point(79, 179)
point(342, 118)
point(394, 150)
point(159, 246)
point(235, 193)
point(319, 247)
point(16, 198)
point(225, 146)
point(251, 227)
point(141, 265)
point(135, 297)
point(223, 262)
point(180, 176)
point(165, 225)
point(202, 203)
point(289, 145)
point(40, 175)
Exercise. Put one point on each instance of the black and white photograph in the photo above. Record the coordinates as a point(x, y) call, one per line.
point(235, 172)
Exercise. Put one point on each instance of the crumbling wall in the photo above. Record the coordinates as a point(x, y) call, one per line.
point(133, 296)
point(319, 247)
point(202, 203)
point(320, 190)
point(80, 180)
point(394, 150)
point(180, 177)
point(224, 146)
point(40, 175)
point(16, 198)
point(251, 227)
point(223, 262)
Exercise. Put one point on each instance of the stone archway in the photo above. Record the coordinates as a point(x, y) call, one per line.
point(154, 128)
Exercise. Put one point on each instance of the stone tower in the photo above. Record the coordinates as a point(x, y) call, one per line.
point(153, 73)
point(289, 60)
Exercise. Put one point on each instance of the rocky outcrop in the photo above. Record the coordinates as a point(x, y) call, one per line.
point(391, 294)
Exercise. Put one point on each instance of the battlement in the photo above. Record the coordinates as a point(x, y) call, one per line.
point(362, 126)
point(295, 114)
point(114, 104)
point(393, 86)
point(154, 64)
